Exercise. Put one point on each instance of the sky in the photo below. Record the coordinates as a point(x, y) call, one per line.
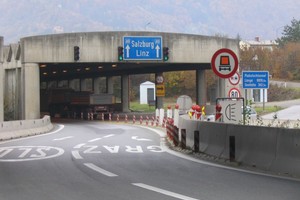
point(229, 18)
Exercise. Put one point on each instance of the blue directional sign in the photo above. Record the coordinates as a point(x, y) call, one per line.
point(142, 47)
point(255, 79)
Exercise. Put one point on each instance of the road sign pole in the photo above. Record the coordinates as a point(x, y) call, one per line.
point(263, 99)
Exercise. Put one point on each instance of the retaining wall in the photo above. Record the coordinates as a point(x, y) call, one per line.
point(267, 148)
point(16, 129)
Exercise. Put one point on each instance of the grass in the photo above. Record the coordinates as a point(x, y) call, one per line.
point(268, 109)
point(137, 107)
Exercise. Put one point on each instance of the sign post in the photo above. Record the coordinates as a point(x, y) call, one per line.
point(256, 80)
point(142, 47)
point(224, 63)
point(232, 109)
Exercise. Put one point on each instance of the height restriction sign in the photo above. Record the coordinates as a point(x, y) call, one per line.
point(224, 63)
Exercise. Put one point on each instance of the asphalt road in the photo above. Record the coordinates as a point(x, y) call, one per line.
point(106, 161)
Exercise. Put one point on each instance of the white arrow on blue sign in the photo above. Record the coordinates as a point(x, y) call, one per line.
point(142, 47)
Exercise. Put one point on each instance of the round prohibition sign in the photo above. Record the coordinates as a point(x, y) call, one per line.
point(235, 79)
point(234, 93)
point(224, 63)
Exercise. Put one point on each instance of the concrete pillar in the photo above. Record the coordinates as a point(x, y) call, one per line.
point(110, 85)
point(18, 94)
point(74, 84)
point(125, 93)
point(159, 99)
point(30, 91)
point(201, 87)
point(84, 85)
point(1, 82)
point(97, 85)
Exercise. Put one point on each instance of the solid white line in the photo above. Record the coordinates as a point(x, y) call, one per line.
point(94, 140)
point(100, 170)
point(165, 192)
point(34, 136)
point(76, 155)
point(64, 138)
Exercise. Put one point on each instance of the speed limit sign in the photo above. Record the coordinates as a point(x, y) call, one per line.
point(234, 93)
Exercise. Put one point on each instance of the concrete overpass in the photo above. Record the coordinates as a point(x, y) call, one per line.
point(47, 58)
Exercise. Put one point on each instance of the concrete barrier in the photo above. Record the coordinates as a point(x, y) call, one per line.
point(267, 148)
point(17, 129)
point(287, 159)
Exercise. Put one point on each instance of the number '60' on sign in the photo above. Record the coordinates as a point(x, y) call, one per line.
point(234, 93)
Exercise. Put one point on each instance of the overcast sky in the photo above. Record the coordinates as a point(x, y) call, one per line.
point(248, 18)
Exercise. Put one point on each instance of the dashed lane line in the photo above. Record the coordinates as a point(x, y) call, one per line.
point(94, 140)
point(162, 191)
point(63, 138)
point(107, 136)
point(100, 170)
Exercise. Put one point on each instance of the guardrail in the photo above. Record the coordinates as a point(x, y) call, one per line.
point(272, 149)
point(22, 128)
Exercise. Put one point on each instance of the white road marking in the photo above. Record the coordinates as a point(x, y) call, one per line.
point(140, 139)
point(110, 135)
point(78, 146)
point(63, 138)
point(29, 153)
point(100, 170)
point(76, 155)
point(94, 140)
point(34, 136)
point(91, 149)
point(165, 192)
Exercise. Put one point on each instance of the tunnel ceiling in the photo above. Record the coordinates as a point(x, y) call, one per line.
point(68, 71)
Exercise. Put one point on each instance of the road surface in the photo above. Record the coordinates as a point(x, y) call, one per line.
point(97, 160)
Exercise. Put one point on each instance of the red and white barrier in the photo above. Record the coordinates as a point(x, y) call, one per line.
point(153, 120)
point(141, 120)
point(133, 119)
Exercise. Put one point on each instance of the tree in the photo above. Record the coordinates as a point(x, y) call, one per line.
point(291, 33)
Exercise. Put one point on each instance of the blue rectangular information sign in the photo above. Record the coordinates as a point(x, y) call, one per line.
point(142, 47)
point(255, 79)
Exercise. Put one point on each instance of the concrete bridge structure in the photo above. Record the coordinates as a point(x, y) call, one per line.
point(49, 59)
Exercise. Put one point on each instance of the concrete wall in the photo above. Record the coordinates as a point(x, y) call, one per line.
point(1, 81)
point(267, 148)
point(16, 129)
point(102, 47)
